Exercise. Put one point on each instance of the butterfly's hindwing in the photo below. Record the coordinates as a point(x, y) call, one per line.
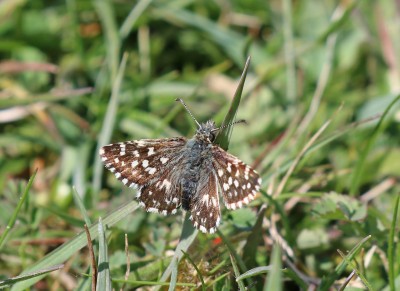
point(162, 196)
point(205, 210)
point(239, 183)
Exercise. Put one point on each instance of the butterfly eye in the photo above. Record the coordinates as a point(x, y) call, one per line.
point(212, 136)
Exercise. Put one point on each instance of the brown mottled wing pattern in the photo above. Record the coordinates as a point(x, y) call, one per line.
point(205, 210)
point(239, 183)
point(142, 164)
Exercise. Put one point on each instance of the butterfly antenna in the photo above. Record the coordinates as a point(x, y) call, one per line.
point(229, 124)
point(187, 109)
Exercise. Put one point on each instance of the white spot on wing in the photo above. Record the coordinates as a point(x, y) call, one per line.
point(151, 151)
point(220, 172)
point(134, 164)
point(205, 199)
point(145, 163)
point(151, 170)
point(163, 160)
point(214, 201)
point(166, 184)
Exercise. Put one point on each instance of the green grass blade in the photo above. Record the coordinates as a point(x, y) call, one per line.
point(105, 10)
point(359, 170)
point(65, 251)
point(354, 267)
point(254, 272)
point(327, 282)
point(34, 99)
point(108, 126)
point(232, 251)
point(233, 43)
point(391, 246)
point(11, 281)
point(203, 286)
point(274, 279)
point(224, 134)
point(188, 235)
point(237, 273)
point(14, 216)
point(254, 238)
point(103, 276)
point(150, 283)
point(79, 204)
point(126, 27)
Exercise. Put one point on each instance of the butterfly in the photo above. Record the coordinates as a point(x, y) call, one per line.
point(177, 172)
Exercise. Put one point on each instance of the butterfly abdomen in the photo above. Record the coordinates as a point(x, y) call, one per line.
point(198, 152)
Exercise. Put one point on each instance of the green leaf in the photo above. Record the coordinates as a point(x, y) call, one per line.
point(225, 133)
point(337, 206)
point(243, 217)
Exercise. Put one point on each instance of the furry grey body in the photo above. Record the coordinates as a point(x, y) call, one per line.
point(198, 159)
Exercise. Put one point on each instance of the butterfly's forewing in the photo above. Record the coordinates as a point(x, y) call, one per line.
point(146, 165)
point(164, 194)
point(239, 183)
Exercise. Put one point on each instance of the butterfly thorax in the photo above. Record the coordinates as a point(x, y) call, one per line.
point(198, 159)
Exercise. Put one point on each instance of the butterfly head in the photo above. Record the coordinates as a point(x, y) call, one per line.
point(206, 131)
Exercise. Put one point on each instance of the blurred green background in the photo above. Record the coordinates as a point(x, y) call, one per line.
point(76, 75)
